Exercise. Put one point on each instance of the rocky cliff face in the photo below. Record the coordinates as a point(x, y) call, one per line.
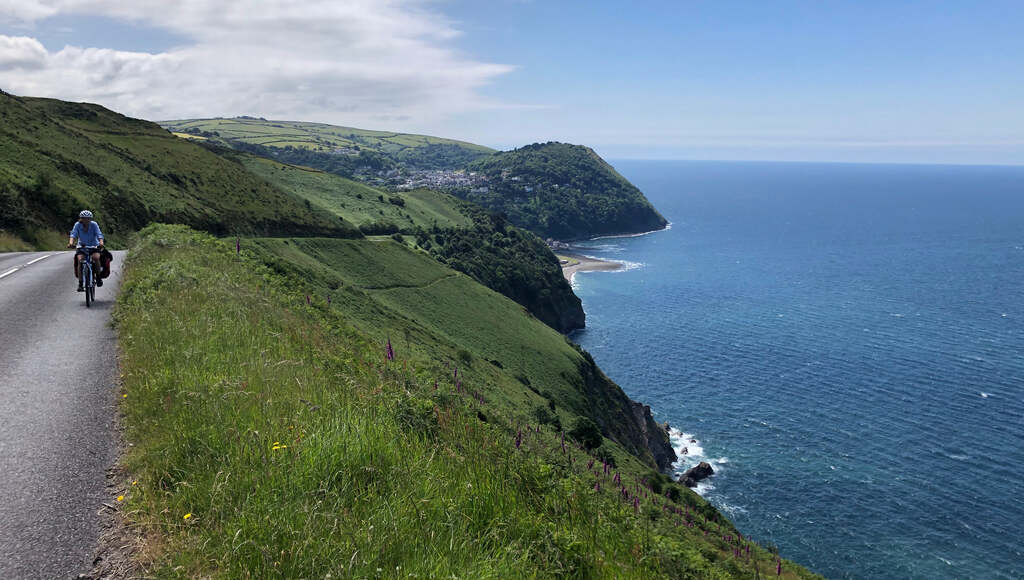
point(622, 419)
point(655, 436)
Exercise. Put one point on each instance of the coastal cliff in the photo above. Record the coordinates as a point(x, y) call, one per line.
point(354, 381)
point(561, 191)
point(623, 420)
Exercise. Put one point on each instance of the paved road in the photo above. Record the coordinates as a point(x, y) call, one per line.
point(57, 397)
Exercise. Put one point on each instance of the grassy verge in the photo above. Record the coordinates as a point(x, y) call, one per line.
point(271, 438)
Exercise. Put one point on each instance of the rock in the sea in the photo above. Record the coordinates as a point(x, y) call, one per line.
point(698, 472)
point(687, 481)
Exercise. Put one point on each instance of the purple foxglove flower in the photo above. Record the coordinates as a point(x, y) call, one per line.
point(307, 299)
point(328, 299)
point(597, 486)
point(590, 464)
point(238, 245)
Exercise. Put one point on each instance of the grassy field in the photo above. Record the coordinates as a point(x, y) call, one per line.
point(360, 204)
point(314, 136)
point(57, 158)
point(272, 438)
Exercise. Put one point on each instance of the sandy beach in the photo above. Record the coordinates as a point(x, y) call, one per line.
point(578, 263)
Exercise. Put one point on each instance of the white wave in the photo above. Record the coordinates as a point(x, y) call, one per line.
point(722, 460)
point(958, 457)
point(688, 449)
point(627, 265)
point(704, 487)
point(729, 508)
point(985, 395)
point(667, 227)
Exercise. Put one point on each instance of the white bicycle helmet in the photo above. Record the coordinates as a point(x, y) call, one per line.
point(85, 214)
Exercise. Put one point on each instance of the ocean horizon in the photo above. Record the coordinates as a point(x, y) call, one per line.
point(843, 343)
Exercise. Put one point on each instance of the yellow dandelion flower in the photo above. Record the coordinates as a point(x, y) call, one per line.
point(120, 498)
point(124, 396)
point(136, 482)
point(187, 516)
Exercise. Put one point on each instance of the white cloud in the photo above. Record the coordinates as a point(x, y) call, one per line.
point(21, 52)
point(354, 62)
point(22, 11)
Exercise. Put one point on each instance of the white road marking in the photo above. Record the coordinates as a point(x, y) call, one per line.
point(39, 258)
point(9, 272)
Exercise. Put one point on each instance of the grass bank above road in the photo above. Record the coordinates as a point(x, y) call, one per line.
point(272, 438)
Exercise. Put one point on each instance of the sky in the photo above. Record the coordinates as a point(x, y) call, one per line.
point(868, 81)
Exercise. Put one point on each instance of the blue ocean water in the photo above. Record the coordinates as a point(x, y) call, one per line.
point(844, 344)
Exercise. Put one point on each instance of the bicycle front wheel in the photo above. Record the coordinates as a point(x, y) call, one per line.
point(87, 282)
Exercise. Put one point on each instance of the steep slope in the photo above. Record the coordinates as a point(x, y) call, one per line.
point(60, 157)
point(427, 307)
point(298, 445)
point(561, 191)
point(460, 234)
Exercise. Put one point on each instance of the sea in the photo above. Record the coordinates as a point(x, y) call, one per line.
point(844, 344)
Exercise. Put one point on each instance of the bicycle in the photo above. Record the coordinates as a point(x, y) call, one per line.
point(87, 273)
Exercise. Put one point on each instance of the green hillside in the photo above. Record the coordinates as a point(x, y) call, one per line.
point(389, 290)
point(336, 149)
point(562, 191)
point(371, 209)
point(460, 234)
point(555, 190)
point(57, 158)
point(293, 448)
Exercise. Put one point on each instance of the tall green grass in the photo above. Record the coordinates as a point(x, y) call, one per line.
point(272, 439)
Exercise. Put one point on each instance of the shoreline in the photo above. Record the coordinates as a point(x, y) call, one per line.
point(581, 263)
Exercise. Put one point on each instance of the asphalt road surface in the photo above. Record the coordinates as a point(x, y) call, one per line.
point(57, 396)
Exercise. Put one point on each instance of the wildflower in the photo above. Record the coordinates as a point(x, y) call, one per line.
point(307, 300)
point(120, 498)
point(636, 504)
point(435, 384)
point(238, 245)
point(328, 299)
point(597, 486)
point(136, 482)
point(389, 353)
point(778, 569)
point(590, 464)
point(124, 396)
point(187, 516)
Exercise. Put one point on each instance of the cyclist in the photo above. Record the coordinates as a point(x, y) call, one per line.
point(89, 235)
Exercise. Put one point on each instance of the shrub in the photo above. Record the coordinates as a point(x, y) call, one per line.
point(605, 455)
point(587, 433)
